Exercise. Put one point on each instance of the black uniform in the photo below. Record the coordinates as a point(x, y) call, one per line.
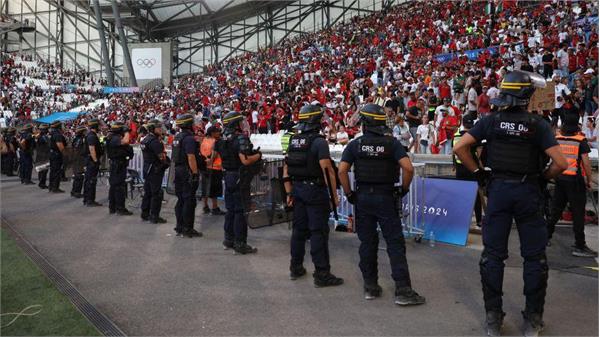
point(119, 156)
point(376, 170)
point(311, 200)
point(154, 170)
point(8, 166)
point(79, 154)
point(516, 141)
point(235, 226)
point(56, 160)
point(91, 167)
point(26, 148)
point(42, 155)
point(185, 183)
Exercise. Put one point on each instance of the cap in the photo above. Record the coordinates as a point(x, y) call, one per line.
point(589, 71)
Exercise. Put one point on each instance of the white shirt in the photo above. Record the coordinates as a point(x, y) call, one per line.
point(341, 136)
point(423, 132)
point(493, 92)
point(472, 97)
point(558, 88)
point(254, 117)
point(402, 133)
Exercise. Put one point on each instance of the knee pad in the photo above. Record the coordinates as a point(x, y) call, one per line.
point(539, 258)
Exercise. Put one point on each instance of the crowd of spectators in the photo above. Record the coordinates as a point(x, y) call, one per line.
point(388, 58)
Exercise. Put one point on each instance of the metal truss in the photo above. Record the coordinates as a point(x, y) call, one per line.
point(202, 34)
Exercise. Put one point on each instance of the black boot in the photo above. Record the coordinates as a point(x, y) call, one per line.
point(242, 248)
point(532, 324)
point(493, 323)
point(157, 220)
point(297, 272)
point(227, 244)
point(124, 211)
point(372, 291)
point(407, 296)
point(326, 279)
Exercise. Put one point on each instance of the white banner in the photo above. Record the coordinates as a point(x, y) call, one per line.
point(147, 63)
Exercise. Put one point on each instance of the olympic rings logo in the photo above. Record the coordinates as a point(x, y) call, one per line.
point(146, 63)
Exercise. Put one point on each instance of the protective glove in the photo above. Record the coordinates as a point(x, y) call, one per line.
point(482, 176)
point(194, 178)
point(403, 191)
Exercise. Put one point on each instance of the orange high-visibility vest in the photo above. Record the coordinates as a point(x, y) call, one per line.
point(569, 146)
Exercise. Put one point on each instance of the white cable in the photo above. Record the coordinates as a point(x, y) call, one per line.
point(22, 313)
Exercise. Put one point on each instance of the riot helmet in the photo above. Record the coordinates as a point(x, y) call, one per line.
point(56, 125)
point(185, 121)
point(232, 121)
point(517, 87)
point(373, 119)
point(117, 127)
point(94, 123)
point(310, 117)
point(154, 124)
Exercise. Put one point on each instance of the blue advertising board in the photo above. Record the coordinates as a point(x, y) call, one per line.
point(120, 90)
point(446, 209)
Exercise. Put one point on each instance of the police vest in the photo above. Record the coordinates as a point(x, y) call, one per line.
point(569, 146)
point(42, 148)
point(179, 156)
point(150, 157)
point(230, 157)
point(511, 149)
point(375, 163)
point(79, 146)
point(114, 149)
point(98, 147)
point(29, 144)
point(302, 163)
point(54, 136)
point(285, 141)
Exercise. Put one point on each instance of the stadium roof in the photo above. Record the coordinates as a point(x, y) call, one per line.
point(163, 19)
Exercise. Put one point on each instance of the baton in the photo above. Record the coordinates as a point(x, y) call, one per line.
point(331, 191)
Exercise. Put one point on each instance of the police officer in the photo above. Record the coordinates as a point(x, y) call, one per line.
point(516, 144)
point(57, 150)
point(185, 157)
point(306, 186)
point(235, 150)
point(285, 139)
point(12, 145)
point(461, 172)
point(119, 152)
point(572, 183)
point(26, 146)
point(79, 154)
point(42, 153)
point(94, 154)
point(378, 158)
point(155, 164)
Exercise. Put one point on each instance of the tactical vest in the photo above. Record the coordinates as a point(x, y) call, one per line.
point(98, 147)
point(230, 157)
point(302, 163)
point(116, 152)
point(511, 148)
point(375, 163)
point(150, 157)
point(42, 148)
point(179, 156)
point(79, 146)
point(29, 144)
point(569, 146)
point(53, 146)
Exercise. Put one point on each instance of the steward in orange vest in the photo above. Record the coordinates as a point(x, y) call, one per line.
point(572, 183)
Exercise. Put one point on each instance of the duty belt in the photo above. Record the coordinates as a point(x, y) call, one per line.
point(375, 189)
point(310, 181)
point(512, 177)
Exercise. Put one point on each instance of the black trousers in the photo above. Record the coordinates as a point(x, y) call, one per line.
point(25, 167)
point(42, 175)
point(185, 207)
point(117, 192)
point(153, 193)
point(89, 180)
point(56, 170)
point(572, 192)
point(77, 186)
